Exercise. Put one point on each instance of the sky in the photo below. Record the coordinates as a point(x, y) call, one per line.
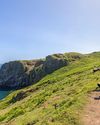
point(36, 28)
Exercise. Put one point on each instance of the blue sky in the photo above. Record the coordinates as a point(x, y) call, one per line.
point(35, 28)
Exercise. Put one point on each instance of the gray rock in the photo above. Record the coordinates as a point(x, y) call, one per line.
point(18, 74)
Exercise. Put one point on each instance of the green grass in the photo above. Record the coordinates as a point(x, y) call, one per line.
point(57, 99)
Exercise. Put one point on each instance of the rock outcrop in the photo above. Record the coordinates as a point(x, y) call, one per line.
point(18, 74)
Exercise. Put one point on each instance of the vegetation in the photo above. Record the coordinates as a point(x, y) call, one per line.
point(57, 99)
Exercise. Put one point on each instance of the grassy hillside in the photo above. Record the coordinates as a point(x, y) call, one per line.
point(58, 99)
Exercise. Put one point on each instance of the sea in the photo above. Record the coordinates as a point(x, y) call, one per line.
point(3, 94)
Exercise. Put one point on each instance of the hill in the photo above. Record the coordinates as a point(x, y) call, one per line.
point(58, 98)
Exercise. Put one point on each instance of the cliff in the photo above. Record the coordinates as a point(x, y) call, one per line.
point(18, 74)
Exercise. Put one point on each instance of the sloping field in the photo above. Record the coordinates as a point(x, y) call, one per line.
point(58, 99)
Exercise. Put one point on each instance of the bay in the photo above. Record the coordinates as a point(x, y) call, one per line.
point(3, 94)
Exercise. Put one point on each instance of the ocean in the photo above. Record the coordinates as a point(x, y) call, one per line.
point(3, 94)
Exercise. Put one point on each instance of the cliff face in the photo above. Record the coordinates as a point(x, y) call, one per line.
point(18, 74)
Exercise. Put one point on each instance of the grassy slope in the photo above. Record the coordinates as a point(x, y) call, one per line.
point(66, 88)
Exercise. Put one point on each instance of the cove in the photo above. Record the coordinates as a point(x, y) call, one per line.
point(3, 94)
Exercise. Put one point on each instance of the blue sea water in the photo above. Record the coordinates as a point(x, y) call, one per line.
point(3, 94)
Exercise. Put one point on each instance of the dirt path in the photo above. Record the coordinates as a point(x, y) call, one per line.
point(92, 110)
